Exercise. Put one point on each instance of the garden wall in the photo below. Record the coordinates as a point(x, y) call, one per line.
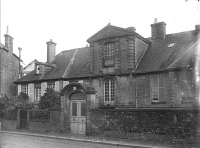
point(8, 124)
point(121, 123)
point(39, 121)
point(48, 121)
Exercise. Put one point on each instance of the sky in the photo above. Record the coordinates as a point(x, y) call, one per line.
point(69, 23)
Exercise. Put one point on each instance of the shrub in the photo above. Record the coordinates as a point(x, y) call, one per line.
point(51, 101)
point(10, 113)
point(39, 115)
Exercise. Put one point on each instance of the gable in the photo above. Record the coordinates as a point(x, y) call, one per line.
point(108, 32)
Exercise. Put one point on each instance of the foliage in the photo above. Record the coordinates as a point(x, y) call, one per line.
point(10, 113)
point(51, 100)
point(23, 98)
point(12, 103)
point(39, 115)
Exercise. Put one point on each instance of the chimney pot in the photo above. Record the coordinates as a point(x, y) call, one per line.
point(155, 20)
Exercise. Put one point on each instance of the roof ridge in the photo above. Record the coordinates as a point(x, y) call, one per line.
point(72, 49)
point(182, 32)
point(171, 34)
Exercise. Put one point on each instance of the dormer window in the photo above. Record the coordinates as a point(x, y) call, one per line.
point(37, 69)
point(109, 54)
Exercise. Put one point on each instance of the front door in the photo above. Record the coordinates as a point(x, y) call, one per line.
point(78, 116)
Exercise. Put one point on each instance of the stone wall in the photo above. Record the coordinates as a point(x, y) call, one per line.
point(169, 122)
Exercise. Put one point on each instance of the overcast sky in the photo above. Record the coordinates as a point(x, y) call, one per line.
point(71, 22)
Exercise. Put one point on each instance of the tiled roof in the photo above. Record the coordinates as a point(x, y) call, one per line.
point(65, 66)
point(175, 51)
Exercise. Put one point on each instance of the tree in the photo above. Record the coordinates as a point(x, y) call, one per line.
point(51, 100)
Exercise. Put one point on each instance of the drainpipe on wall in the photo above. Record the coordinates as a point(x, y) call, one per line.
point(135, 89)
point(20, 73)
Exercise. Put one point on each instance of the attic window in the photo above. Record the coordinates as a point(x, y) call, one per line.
point(171, 45)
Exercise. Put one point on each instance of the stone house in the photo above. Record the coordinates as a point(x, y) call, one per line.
point(9, 68)
point(119, 70)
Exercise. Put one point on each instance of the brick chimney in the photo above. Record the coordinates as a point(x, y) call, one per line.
point(8, 42)
point(158, 30)
point(51, 51)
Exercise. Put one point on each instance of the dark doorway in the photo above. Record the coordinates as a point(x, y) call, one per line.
point(23, 119)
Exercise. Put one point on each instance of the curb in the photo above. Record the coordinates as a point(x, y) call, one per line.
point(80, 140)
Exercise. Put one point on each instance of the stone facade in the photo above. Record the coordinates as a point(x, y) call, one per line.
point(147, 123)
point(127, 50)
point(9, 68)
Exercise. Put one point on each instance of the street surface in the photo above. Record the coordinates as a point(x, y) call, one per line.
point(25, 141)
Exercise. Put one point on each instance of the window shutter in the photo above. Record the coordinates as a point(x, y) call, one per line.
point(155, 88)
point(162, 88)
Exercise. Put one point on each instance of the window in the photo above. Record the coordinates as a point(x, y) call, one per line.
point(24, 89)
point(60, 85)
point(15, 72)
point(37, 94)
point(37, 69)
point(109, 51)
point(51, 85)
point(158, 88)
point(109, 89)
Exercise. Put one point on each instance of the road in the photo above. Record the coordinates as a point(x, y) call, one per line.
point(26, 141)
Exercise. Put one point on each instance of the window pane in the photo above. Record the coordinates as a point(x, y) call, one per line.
point(106, 86)
point(109, 50)
point(83, 109)
point(37, 94)
point(109, 89)
point(74, 109)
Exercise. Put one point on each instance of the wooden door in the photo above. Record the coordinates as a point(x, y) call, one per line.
point(78, 116)
point(23, 119)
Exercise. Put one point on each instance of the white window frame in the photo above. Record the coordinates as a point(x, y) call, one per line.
point(109, 90)
point(24, 89)
point(37, 94)
point(109, 49)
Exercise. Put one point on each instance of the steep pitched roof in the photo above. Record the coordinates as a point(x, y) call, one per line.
point(174, 51)
point(110, 31)
point(68, 64)
point(34, 61)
